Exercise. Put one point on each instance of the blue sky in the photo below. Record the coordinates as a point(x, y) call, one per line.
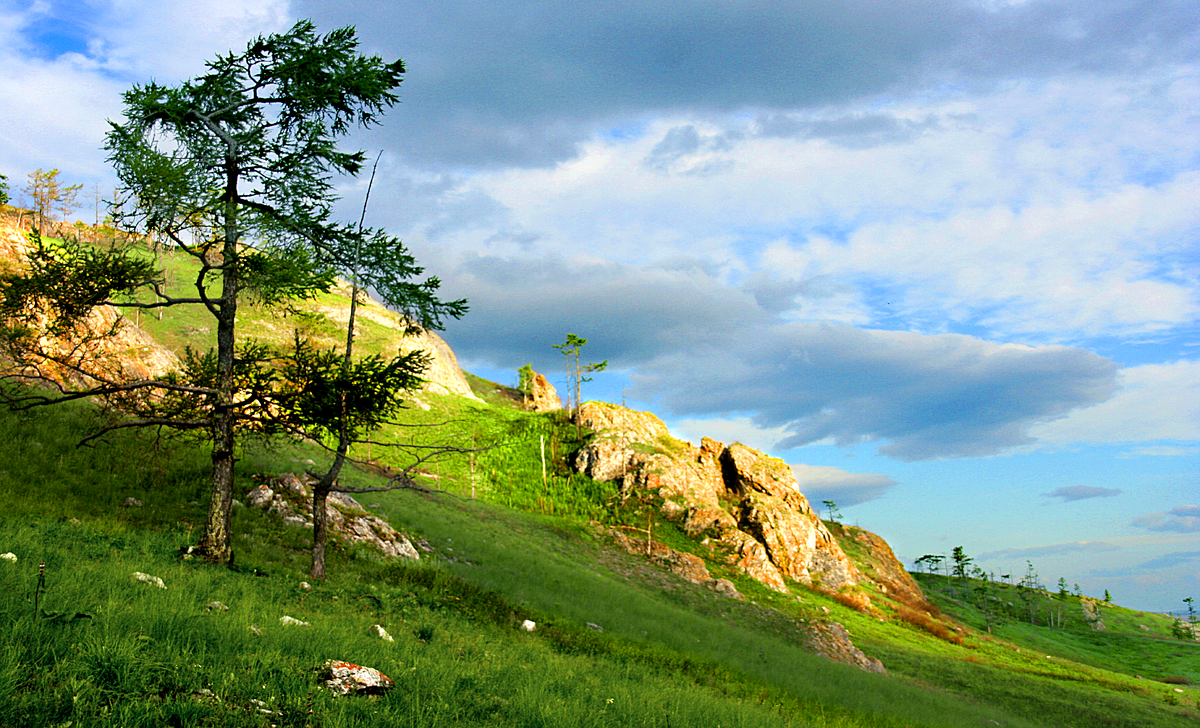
point(940, 256)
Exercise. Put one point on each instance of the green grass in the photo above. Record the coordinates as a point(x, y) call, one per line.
point(510, 545)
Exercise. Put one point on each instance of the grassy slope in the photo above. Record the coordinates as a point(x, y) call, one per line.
point(670, 653)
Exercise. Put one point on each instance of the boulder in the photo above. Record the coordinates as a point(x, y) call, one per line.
point(289, 497)
point(346, 678)
point(542, 395)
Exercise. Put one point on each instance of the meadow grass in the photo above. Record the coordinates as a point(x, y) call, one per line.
point(103, 649)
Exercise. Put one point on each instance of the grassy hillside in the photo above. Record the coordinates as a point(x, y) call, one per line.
point(85, 644)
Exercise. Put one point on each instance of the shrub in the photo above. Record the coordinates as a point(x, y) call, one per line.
point(925, 622)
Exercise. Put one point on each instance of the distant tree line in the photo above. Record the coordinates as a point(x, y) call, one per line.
point(999, 598)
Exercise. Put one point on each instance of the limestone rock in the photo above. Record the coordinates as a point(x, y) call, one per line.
point(147, 579)
point(686, 566)
point(377, 630)
point(346, 678)
point(10, 556)
point(112, 344)
point(290, 498)
point(749, 555)
point(744, 504)
point(528, 625)
point(1091, 614)
point(542, 395)
point(287, 621)
point(443, 376)
point(832, 641)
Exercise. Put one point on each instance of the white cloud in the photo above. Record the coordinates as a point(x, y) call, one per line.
point(974, 222)
point(56, 100)
point(824, 482)
point(185, 34)
point(1156, 402)
point(1181, 519)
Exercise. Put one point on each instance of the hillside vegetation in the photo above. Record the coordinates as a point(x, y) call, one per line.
point(619, 641)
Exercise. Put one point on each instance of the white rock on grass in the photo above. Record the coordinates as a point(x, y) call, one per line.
point(344, 678)
point(528, 625)
point(287, 621)
point(147, 579)
point(377, 630)
point(10, 556)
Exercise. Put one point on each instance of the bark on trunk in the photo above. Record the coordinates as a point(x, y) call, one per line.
point(320, 530)
point(217, 545)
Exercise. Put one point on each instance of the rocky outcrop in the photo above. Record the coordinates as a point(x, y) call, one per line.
point(122, 350)
point(688, 567)
point(542, 395)
point(111, 344)
point(744, 505)
point(878, 564)
point(832, 641)
point(443, 376)
point(290, 498)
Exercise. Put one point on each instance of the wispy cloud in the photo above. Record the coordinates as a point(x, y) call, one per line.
point(1058, 549)
point(823, 482)
point(1082, 492)
point(1181, 519)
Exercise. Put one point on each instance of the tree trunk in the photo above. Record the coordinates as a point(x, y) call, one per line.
point(217, 545)
point(320, 529)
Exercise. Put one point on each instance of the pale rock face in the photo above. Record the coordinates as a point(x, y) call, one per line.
point(443, 375)
point(745, 503)
point(344, 515)
point(129, 353)
point(132, 354)
point(543, 397)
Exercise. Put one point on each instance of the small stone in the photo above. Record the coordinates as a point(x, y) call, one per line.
point(305, 586)
point(10, 556)
point(255, 630)
point(528, 625)
point(132, 502)
point(592, 625)
point(344, 678)
point(263, 707)
point(287, 621)
point(147, 579)
point(216, 607)
point(377, 630)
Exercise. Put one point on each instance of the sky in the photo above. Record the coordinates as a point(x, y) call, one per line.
point(941, 256)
